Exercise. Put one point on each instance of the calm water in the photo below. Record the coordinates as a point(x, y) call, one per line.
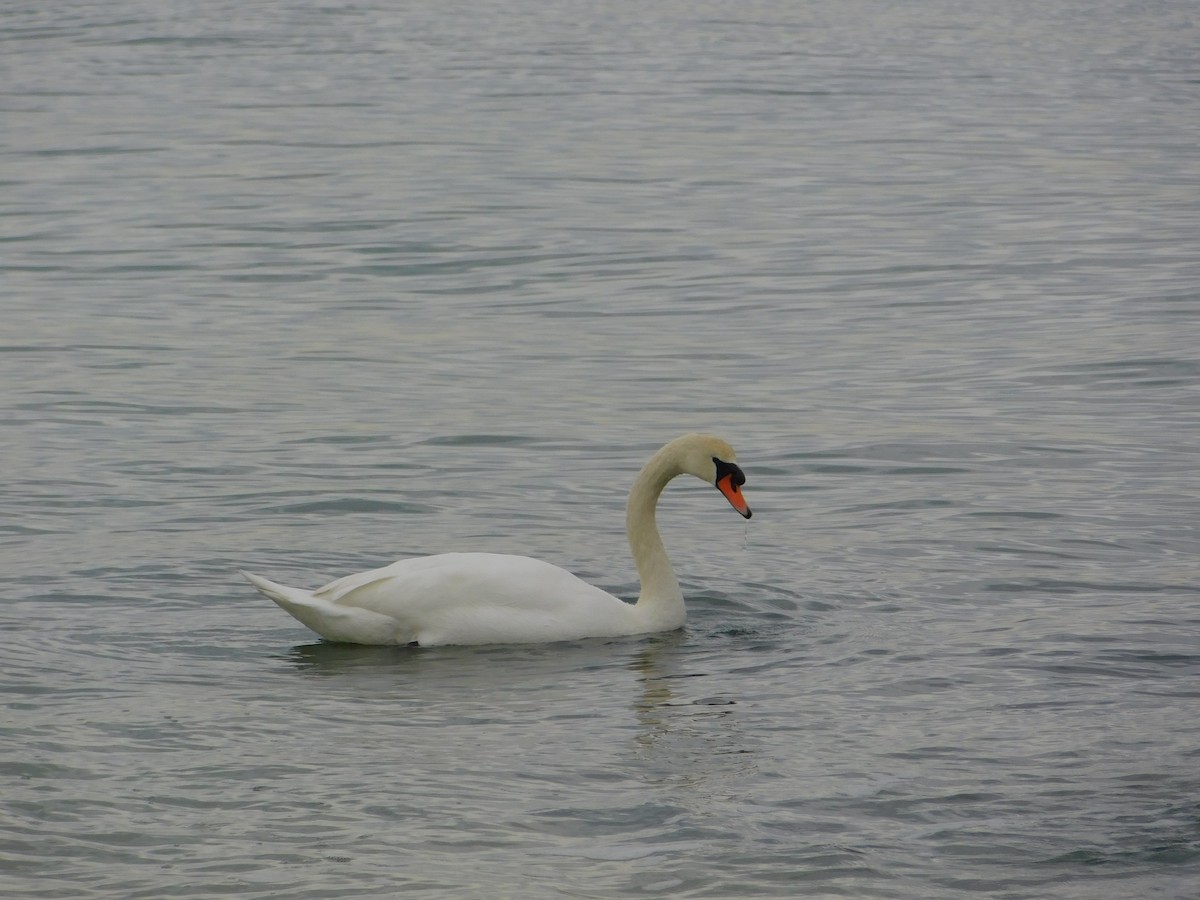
point(305, 288)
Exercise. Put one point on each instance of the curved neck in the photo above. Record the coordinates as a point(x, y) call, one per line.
point(660, 599)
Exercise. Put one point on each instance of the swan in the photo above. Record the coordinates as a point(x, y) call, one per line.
point(492, 598)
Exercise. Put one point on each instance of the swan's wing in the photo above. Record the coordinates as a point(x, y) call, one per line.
point(337, 591)
point(408, 576)
point(481, 598)
point(498, 578)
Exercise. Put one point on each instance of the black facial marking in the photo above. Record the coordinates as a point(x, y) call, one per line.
point(728, 468)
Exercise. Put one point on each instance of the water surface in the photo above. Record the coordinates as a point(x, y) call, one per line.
point(306, 288)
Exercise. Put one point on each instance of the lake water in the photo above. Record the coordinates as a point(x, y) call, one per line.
point(304, 288)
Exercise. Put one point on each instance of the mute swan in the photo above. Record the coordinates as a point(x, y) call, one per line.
point(490, 598)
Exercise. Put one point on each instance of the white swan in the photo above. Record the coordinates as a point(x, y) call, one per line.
point(490, 598)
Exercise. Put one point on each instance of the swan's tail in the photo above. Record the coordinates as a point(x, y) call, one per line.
point(333, 622)
point(277, 592)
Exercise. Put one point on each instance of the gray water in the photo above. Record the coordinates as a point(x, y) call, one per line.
point(305, 288)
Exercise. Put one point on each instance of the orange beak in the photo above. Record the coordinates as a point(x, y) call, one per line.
point(733, 493)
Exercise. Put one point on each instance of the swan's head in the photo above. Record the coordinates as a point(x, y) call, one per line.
point(711, 459)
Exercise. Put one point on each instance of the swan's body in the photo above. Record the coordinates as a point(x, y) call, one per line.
point(489, 598)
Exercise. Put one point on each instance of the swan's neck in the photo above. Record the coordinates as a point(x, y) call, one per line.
point(660, 601)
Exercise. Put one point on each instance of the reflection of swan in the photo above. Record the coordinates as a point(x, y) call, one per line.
point(686, 738)
point(485, 598)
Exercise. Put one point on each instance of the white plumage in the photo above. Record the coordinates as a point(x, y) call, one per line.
point(488, 598)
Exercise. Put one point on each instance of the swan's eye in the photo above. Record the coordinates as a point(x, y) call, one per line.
point(731, 469)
